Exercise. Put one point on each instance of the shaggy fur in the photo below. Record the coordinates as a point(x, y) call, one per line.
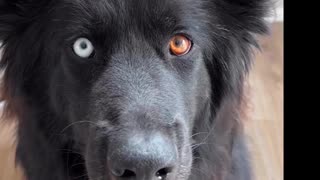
point(74, 112)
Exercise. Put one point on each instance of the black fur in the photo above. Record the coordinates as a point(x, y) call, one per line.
point(72, 111)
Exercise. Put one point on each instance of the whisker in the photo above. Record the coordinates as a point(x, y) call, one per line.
point(78, 122)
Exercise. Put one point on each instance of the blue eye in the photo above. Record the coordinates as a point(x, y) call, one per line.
point(83, 48)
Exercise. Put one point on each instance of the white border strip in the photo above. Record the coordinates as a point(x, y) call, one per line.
point(277, 15)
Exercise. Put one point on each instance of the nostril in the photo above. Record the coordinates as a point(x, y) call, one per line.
point(124, 173)
point(162, 173)
point(128, 174)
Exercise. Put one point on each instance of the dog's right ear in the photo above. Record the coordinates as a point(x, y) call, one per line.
point(2, 2)
point(16, 18)
point(10, 5)
point(9, 18)
point(16, 15)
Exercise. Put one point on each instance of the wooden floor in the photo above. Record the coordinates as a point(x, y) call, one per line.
point(264, 125)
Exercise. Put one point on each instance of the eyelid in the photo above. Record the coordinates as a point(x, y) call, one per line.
point(182, 30)
point(185, 34)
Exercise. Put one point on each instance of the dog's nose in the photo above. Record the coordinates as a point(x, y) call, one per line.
point(143, 157)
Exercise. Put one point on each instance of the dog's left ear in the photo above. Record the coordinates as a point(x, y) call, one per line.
point(6, 17)
point(247, 15)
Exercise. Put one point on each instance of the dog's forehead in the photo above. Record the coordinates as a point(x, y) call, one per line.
point(124, 8)
point(131, 10)
point(110, 20)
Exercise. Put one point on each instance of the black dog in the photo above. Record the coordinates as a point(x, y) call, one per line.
point(129, 89)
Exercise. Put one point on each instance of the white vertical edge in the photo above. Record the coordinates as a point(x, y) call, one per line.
point(277, 15)
point(277, 12)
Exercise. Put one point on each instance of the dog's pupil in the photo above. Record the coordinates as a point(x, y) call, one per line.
point(178, 42)
point(83, 45)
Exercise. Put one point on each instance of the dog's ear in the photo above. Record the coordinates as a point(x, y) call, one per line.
point(7, 18)
point(248, 15)
point(12, 3)
point(3, 3)
point(20, 47)
point(15, 15)
point(236, 24)
point(10, 18)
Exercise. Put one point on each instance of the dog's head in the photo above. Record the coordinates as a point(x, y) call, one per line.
point(128, 80)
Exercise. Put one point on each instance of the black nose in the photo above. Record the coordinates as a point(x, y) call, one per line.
point(142, 157)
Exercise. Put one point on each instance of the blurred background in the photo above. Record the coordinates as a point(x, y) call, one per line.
point(264, 123)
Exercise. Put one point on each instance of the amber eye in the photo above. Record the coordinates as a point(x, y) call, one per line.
point(180, 45)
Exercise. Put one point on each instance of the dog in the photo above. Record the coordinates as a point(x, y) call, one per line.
point(129, 89)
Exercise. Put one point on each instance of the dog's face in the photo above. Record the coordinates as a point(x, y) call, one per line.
point(135, 71)
point(131, 79)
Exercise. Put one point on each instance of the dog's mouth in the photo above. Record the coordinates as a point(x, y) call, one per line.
point(139, 155)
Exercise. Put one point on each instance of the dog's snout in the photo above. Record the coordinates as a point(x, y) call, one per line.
point(143, 157)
